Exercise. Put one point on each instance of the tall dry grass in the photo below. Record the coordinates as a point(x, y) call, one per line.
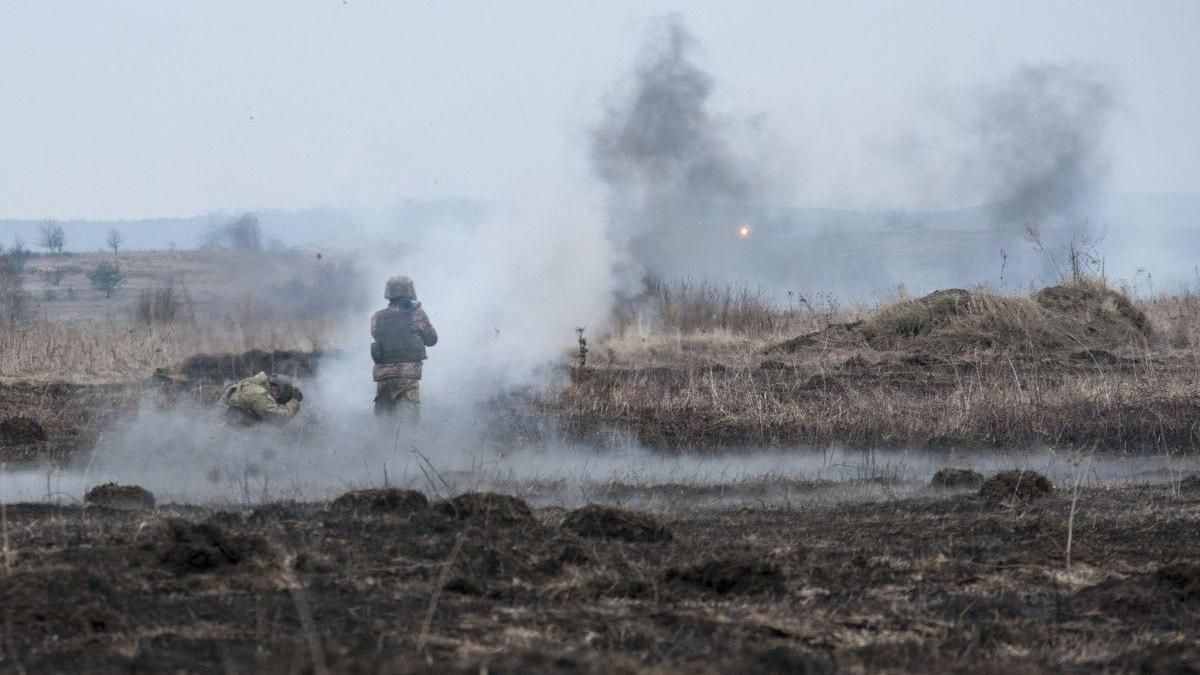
point(113, 351)
point(952, 369)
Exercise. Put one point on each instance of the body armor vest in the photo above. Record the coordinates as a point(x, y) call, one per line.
point(397, 339)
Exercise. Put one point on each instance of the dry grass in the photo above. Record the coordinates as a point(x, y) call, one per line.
point(1073, 365)
point(111, 351)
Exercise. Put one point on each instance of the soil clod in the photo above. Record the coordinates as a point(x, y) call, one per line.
point(956, 477)
point(608, 522)
point(187, 548)
point(725, 576)
point(1017, 485)
point(489, 507)
point(19, 431)
point(383, 500)
point(121, 497)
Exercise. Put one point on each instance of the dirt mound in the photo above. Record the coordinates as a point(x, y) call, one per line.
point(489, 507)
point(956, 477)
point(608, 522)
point(229, 367)
point(21, 431)
point(385, 500)
point(1056, 322)
point(123, 497)
point(1098, 309)
point(725, 576)
point(1016, 486)
point(185, 548)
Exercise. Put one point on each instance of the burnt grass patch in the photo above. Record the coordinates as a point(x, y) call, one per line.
point(382, 500)
point(487, 508)
point(609, 522)
point(1018, 485)
point(952, 477)
point(921, 585)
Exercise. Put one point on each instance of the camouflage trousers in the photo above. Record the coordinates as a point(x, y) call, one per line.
point(399, 396)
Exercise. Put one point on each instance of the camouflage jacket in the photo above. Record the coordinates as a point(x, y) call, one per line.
point(253, 396)
point(412, 369)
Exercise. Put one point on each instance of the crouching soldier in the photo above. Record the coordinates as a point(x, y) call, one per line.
point(262, 398)
point(402, 332)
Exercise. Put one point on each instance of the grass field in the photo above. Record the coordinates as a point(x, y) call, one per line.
point(848, 569)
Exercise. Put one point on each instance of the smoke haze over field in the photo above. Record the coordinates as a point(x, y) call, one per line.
point(1032, 147)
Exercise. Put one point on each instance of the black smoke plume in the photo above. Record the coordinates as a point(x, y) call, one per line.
point(1038, 145)
point(680, 177)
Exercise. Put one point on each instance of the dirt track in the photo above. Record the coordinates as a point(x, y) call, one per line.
point(953, 583)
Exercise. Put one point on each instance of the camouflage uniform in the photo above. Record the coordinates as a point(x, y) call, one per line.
point(249, 402)
point(402, 332)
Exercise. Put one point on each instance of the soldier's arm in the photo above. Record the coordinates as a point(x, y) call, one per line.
point(428, 334)
point(266, 408)
point(374, 324)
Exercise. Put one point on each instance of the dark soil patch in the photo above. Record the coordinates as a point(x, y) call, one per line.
point(58, 606)
point(1156, 597)
point(186, 548)
point(740, 576)
point(124, 497)
point(487, 507)
point(956, 477)
point(1181, 580)
point(1190, 483)
point(384, 500)
point(1016, 486)
point(226, 367)
point(780, 661)
point(903, 585)
point(19, 431)
point(608, 522)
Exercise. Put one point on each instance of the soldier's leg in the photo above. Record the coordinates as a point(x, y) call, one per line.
point(409, 401)
point(385, 400)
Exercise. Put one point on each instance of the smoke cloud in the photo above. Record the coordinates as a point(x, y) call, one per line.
point(1042, 146)
point(681, 178)
point(1032, 148)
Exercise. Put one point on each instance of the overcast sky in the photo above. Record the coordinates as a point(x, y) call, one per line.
point(140, 109)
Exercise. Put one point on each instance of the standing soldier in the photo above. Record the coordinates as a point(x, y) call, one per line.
point(402, 332)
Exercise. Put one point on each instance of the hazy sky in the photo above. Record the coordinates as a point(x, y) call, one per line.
point(138, 109)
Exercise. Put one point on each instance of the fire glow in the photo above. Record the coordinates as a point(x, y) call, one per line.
point(743, 231)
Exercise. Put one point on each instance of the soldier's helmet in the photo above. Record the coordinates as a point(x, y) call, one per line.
point(287, 389)
point(400, 288)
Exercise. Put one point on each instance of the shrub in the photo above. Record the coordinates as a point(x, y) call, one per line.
point(163, 304)
point(107, 277)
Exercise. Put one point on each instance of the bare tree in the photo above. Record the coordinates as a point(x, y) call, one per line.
point(114, 240)
point(53, 238)
point(241, 234)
